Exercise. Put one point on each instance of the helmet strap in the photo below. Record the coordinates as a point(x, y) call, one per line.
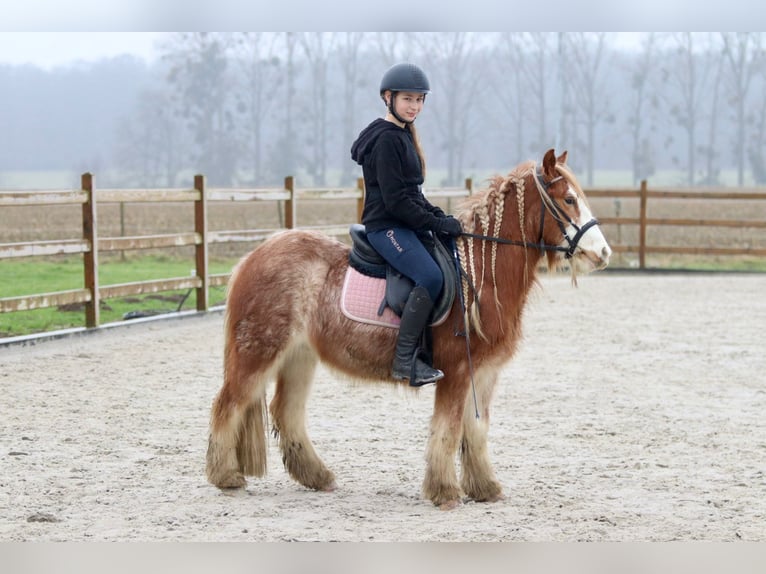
point(393, 111)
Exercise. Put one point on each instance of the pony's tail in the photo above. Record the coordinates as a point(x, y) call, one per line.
point(251, 444)
point(237, 446)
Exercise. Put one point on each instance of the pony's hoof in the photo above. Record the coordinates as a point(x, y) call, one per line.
point(487, 492)
point(231, 482)
point(450, 504)
point(495, 496)
point(332, 487)
point(499, 497)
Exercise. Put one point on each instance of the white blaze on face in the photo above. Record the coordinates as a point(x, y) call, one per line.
point(592, 246)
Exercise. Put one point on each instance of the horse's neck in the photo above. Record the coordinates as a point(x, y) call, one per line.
point(517, 265)
point(504, 274)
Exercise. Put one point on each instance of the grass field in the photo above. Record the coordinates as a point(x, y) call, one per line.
point(35, 276)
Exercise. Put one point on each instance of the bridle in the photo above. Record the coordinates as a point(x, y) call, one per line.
point(561, 217)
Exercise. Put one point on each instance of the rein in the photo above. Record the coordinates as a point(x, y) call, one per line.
point(549, 204)
point(540, 246)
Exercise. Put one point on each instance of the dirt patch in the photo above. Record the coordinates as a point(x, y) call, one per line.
point(633, 411)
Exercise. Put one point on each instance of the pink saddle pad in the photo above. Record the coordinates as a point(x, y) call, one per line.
point(361, 300)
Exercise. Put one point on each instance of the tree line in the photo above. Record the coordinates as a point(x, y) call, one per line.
point(250, 108)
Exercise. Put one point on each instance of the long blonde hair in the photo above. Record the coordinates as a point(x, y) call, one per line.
point(418, 147)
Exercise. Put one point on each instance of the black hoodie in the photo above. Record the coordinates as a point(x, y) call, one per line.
point(392, 179)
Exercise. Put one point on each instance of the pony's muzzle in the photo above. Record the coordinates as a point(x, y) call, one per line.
point(596, 260)
point(603, 259)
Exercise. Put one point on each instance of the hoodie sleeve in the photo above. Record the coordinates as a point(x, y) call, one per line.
point(435, 209)
point(401, 195)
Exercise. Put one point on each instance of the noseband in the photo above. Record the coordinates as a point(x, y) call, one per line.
point(562, 219)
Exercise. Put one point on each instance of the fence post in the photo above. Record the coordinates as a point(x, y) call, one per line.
point(360, 200)
point(642, 228)
point(90, 257)
point(469, 185)
point(200, 249)
point(122, 227)
point(290, 203)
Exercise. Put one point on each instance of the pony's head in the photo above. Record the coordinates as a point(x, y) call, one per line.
point(536, 209)
point(567, 218)
point(542, 208)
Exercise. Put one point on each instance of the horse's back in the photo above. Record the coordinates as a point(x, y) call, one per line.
point(298, 245)
point(284, 276)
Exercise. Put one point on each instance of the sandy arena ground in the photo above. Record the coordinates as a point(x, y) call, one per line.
point(635, 410)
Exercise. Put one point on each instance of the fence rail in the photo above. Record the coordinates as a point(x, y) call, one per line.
point(643, 221)
point(201, 238)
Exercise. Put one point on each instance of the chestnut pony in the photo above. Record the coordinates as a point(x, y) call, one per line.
point(283, 315)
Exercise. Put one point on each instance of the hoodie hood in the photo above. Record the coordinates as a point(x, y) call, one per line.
point(367, 138)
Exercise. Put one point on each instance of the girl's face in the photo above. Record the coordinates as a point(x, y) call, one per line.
point(407, 104)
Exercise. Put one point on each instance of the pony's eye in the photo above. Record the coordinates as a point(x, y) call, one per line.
point(569, 200)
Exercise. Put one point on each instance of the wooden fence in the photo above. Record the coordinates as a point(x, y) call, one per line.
point(90, 244)
point(707, 195)
point(201, 237)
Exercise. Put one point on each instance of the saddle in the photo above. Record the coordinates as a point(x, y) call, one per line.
point(364, 259)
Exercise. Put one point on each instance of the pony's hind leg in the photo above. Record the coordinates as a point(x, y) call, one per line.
point(478, 479)
point(288, 413)
point(237, 441)
point(237, 445)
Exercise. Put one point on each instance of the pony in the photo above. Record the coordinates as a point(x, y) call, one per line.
point(283, 316)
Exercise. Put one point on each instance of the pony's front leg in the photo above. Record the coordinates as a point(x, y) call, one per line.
point(478, 480)
point(440, 484)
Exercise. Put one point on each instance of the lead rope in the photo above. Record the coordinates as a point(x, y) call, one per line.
point(465, 325)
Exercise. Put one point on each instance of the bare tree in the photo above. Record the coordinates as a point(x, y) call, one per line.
point(258, 67)
point(453, 58)
point(506, 79)
point(643, 100)
point(392, 46)
point(689, 76)
point(744, 54)
point(521, 76)
point(150, 142)
point(317, 48)
point(348, 52)
point(537, 77)
point(251, 105)
point(709, 151)
point(587, 75)
point(758, 147)
point(285, 153)
point(198, 73)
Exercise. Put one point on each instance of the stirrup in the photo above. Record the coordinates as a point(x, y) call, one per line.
point(433, 374)
point(436, 376)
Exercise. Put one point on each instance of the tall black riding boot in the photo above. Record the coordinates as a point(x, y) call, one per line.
point(414, 319)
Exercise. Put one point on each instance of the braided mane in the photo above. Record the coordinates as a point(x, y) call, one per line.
point(484, 212)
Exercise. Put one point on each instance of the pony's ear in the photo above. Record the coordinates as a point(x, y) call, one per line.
point(562, 159)
point(549, 164)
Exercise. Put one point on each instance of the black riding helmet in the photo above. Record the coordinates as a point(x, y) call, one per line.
point(404, 77)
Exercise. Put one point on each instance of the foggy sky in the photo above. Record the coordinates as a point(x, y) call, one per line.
point(399, 15)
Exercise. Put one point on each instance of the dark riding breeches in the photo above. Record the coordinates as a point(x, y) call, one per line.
point(402, 249)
